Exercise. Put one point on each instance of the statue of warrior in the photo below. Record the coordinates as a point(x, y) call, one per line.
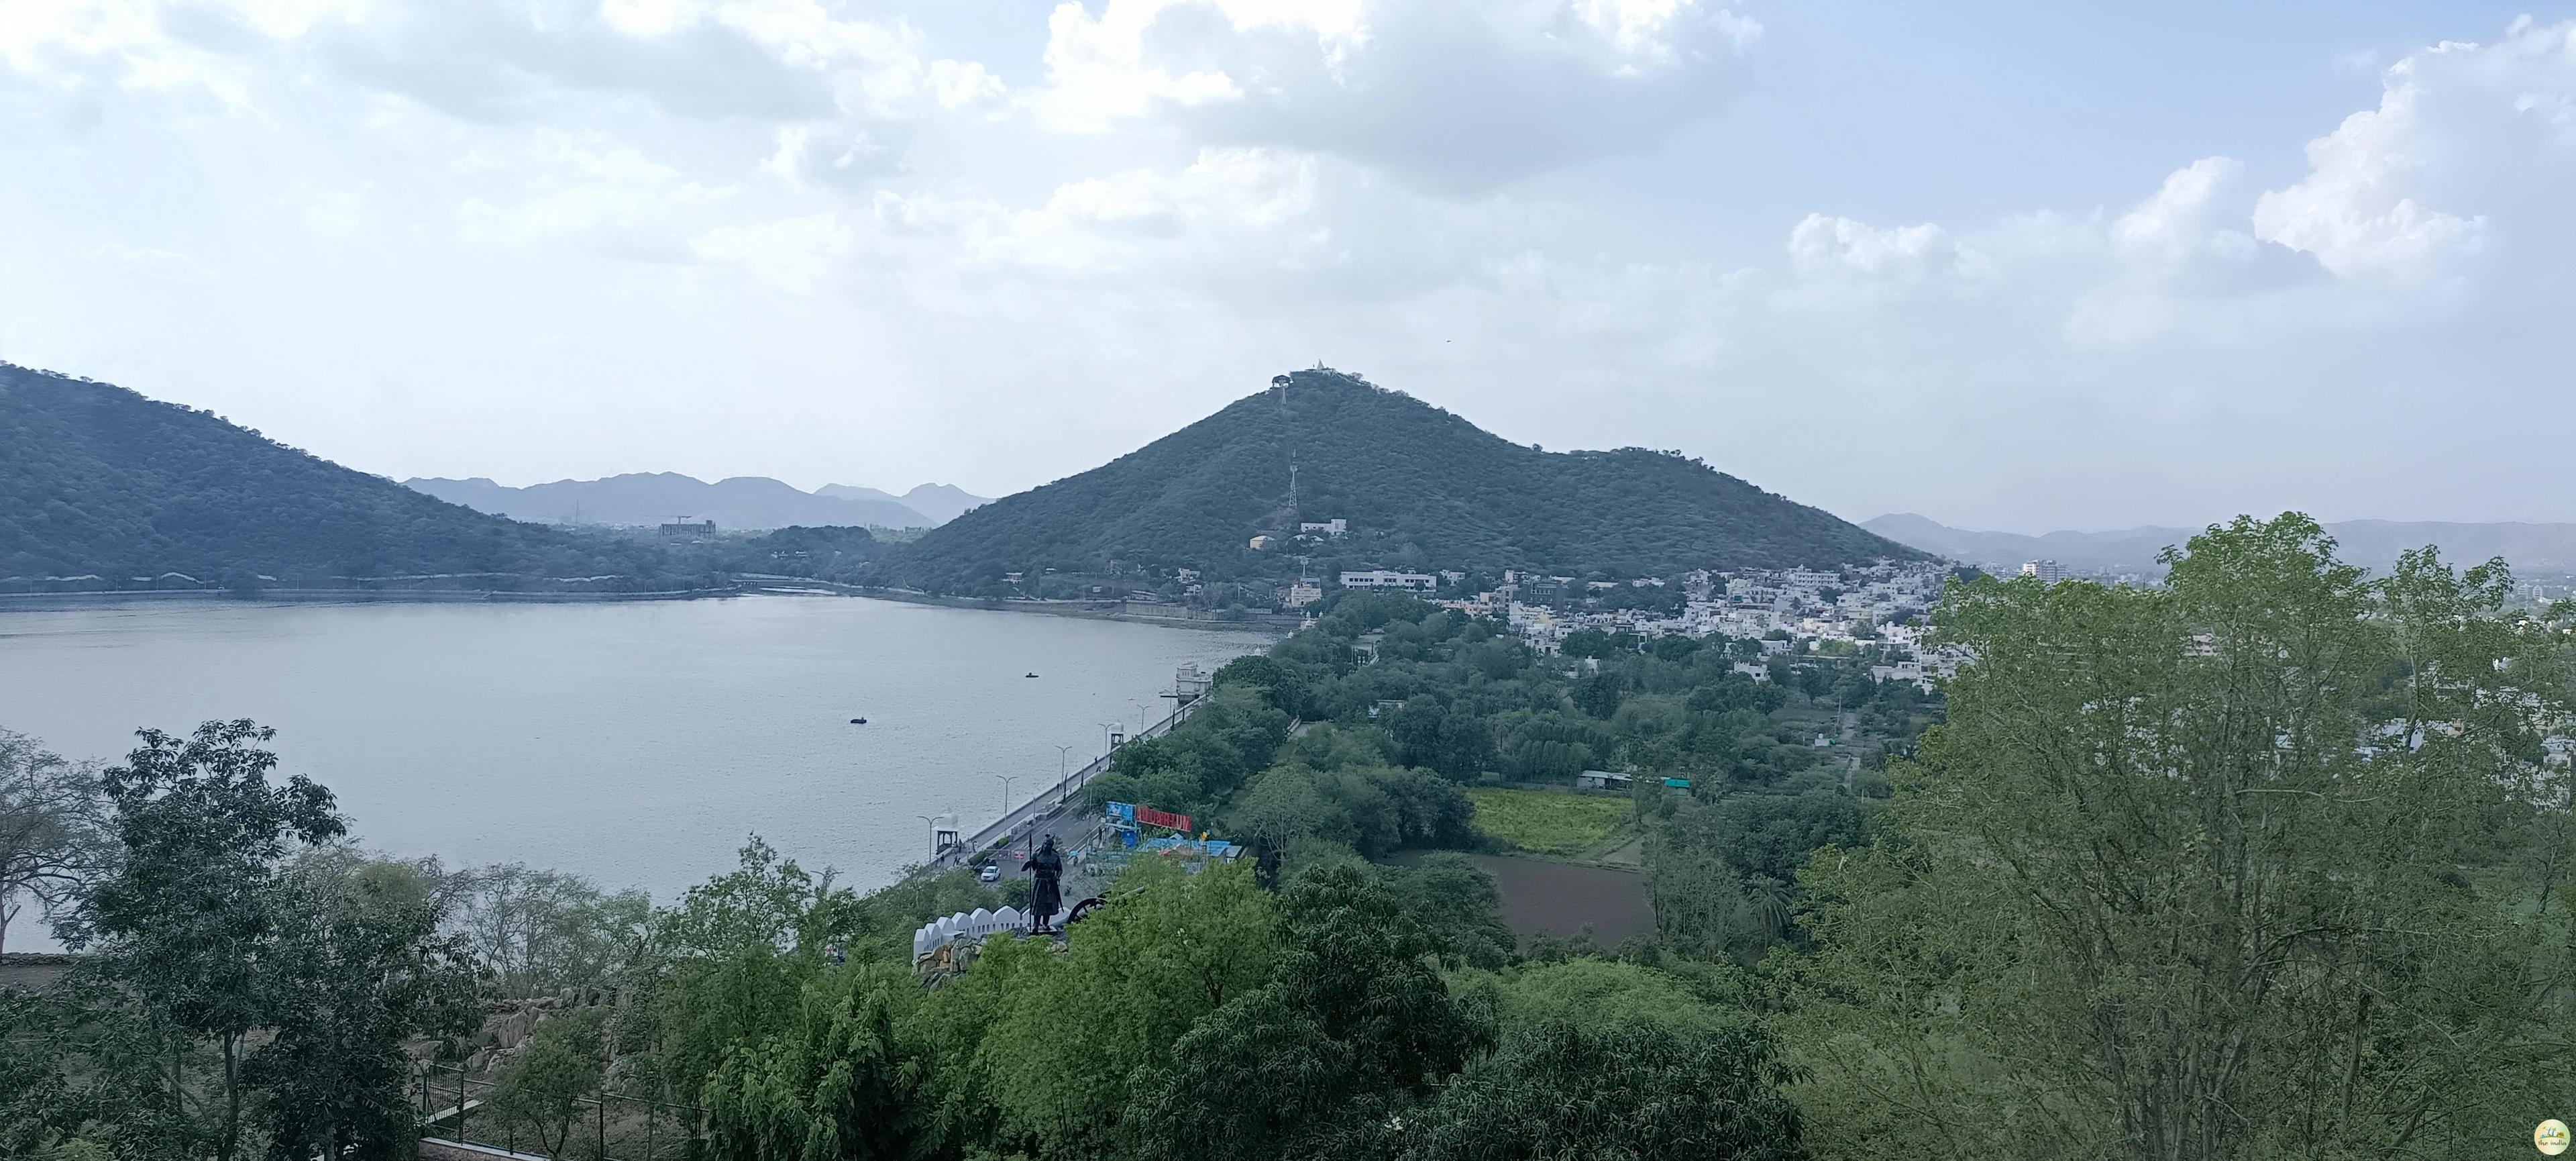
point(1046, 898)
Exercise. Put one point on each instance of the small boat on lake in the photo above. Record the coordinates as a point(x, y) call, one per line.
point(1031, 674)
point(858, 721)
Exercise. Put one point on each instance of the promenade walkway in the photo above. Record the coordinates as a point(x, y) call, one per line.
point(1050, 809)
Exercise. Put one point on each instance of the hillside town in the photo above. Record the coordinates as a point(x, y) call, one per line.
point(1878, 609)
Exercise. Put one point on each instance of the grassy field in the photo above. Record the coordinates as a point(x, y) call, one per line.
point(1569, 825)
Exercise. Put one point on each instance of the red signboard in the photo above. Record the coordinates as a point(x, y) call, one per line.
point(1162, 818)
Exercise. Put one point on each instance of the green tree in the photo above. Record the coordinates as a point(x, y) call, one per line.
point(2257, 864)
point(1457, 906)
point(52, 836)
point(189, 918)
point(359, 968)
point(1601, 993)
point(731, 958)
point(1628, 1091)
point(541, 1088)
point(839, 1083)
point(1080, 1034)
point(1356, 1027)
point(540, 932)
point(1598, 694)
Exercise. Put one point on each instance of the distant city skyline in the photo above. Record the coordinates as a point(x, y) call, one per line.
point(2179, 263)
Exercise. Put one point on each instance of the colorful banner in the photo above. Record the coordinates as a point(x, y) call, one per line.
point(1130, 814)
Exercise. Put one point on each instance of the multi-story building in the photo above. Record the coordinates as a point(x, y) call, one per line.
point(1380, 578)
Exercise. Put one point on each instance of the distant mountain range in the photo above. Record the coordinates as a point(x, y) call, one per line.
point(1420, 487)
point(2530, 548)
point(937, 503)
point(103, 488)
point(749, 503)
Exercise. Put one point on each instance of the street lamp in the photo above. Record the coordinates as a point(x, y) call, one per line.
point(1063, 764)
point(931, 821)
point(1108, 734)
point(1006, 794)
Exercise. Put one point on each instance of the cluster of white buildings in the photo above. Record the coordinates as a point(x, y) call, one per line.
point(1792, 612)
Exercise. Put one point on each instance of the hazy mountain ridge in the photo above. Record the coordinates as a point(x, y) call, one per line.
point(751, 503)
point(1419, 485)
point(941, 503)
point(2374, 543)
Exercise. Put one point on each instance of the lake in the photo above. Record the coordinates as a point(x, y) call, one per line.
point(635, 743)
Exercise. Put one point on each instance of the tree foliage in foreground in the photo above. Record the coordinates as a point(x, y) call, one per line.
point(1620, 1092)
point(2260, 864)
point(52, 835)
point(190, 917)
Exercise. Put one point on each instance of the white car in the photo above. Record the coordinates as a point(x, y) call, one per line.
point(991, 872)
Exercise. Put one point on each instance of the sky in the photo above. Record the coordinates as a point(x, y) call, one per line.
point(2024, 266)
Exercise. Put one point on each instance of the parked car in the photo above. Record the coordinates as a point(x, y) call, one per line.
point(991, 872)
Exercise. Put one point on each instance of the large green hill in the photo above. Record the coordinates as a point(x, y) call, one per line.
point(98, 480)
point(1419, 485)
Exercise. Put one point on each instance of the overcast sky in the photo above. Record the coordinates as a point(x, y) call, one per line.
point(2010, 265)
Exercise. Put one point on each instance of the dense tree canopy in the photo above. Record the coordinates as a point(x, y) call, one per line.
point(2261, 864)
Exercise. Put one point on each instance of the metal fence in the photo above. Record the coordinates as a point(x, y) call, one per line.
point(606, 1126)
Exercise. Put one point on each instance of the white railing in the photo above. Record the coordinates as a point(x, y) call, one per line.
point(971, 926)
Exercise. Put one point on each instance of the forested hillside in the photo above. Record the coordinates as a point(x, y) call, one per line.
point(96, 479)
point(1420, 486)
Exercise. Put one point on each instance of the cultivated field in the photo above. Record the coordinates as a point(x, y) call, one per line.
point(1569, 826)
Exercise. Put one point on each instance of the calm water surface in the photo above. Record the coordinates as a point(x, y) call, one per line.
point(634, 743)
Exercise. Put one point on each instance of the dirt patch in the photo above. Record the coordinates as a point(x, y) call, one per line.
point(1545, 897)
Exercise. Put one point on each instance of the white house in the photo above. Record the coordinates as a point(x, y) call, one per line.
point(1333, 527)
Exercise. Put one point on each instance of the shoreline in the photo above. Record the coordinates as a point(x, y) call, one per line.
point(756, 586)
point(62, 602)
point(1089, 610)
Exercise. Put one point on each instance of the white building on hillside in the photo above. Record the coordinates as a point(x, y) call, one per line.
point(1380, 578)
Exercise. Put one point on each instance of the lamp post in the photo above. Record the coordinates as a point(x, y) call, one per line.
point(1109, 734)
point(1063, 770)
point(1006, 794)
point(931, 821)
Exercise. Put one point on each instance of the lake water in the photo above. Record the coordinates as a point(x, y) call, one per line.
point(635, 743)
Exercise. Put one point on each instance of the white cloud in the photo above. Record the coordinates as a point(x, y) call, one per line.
point(1455, 95)
point(2468, 145)
point(1830, 247)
